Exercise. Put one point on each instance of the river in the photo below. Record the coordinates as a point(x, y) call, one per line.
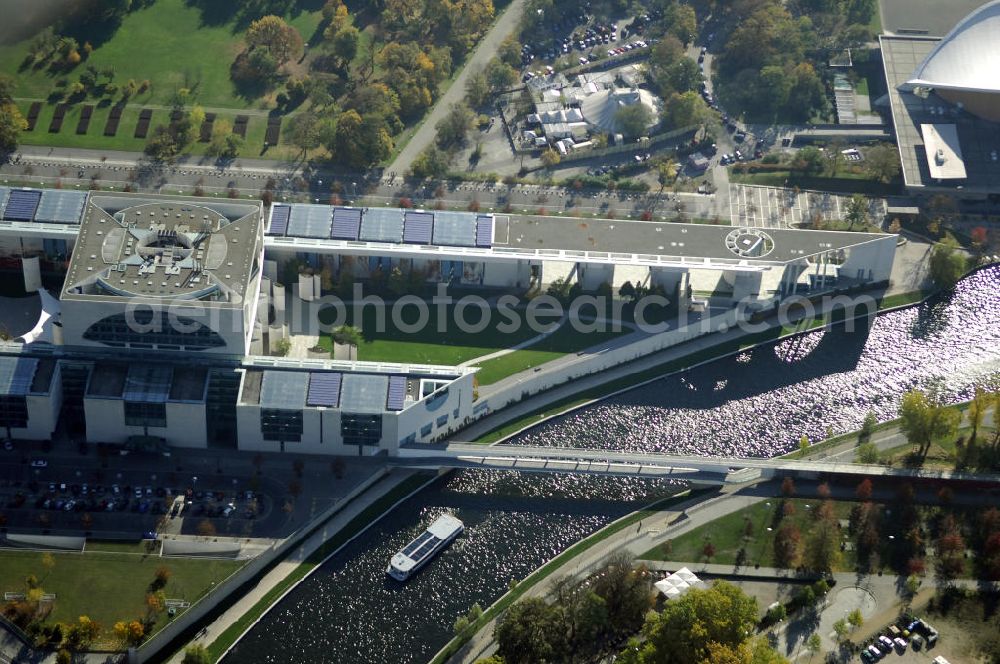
point(758, 403)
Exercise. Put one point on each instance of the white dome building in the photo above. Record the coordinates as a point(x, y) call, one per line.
point(963, 68)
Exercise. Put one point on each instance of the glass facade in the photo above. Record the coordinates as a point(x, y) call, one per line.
point(145, 414)
point(220, 407)
point(281, 425)
point(356, 429)
point(140, 329)
point(13, 412)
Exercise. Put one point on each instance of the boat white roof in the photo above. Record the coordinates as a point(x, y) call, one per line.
point(968, 58)
point(944, 152)
point(444, 526)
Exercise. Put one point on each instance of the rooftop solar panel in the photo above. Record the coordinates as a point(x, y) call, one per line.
point(61, 207)
point(484, 231)
point(284, 389)
point(397, 393)
point(417, 543)
point(382, 225)
point(455, 229)
point(310, 221)
point(346, 224)
point(16, 374)
point(417, 227)
point(21, 204)
point(279, 219)
point(363, 393)
point(149, 383)
point(324, 389)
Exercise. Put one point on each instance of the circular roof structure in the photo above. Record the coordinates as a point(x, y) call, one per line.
point(968, 57)
point(749, 242)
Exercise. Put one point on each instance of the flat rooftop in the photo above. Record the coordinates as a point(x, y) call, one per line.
point(165, 249)
point(690, 241)
point(979, 139)
point(150, 383)
point(933, 18)
point(350, 391)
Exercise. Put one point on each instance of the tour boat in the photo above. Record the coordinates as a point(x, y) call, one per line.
point(416, 554)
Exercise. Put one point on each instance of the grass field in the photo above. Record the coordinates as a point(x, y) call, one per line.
point(167, 44)
point(727, 535)
point(564, 340)
point(110, 587)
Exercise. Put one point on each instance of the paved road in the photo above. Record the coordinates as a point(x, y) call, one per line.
point(290, 181)
point(488, 46)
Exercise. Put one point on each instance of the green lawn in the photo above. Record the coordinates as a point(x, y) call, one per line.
point(454, 346)
point(427, 345)
point(861, 88)
point(727, 534)
point(110, 587)
point(564, 340)
point(165, 43)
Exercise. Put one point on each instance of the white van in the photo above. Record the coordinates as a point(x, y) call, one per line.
point(941, 660)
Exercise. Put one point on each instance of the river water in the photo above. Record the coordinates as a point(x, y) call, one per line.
point(756, 404)
point(349, 611)
point(761, 402)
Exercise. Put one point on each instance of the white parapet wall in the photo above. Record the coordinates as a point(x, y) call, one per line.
point(590, 364)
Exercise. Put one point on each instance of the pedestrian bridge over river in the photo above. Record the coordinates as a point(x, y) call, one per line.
point(696, 469)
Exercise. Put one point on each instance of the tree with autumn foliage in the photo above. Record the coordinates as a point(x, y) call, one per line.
point(950, 550)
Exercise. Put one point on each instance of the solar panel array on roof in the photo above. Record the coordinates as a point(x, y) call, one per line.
point(397, 393)
point(346, 224)
point(363, 393)
point(21, 204)
point(455, 229)
point(149, 383)
point(484, 231)
point(309, 221)
point(16, 374)
point(382, 225)
point(324, 389)
point(61, 207)
point(417, 227)
point(279, 219)
point(284, 389)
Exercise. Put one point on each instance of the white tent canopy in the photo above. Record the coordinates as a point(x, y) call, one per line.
point(678, 583)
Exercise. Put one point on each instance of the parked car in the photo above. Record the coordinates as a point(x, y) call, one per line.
point(39, 463)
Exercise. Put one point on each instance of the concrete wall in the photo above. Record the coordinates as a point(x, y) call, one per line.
point(871, 261)
point(592, 364)
point(591, 276)
point(320, 434)
point(456, 406)
point(186, 423)
point(77, 316)
point(507, 274)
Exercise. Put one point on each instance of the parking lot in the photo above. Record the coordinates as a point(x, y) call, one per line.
point(776, 207)
point(196, 492)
